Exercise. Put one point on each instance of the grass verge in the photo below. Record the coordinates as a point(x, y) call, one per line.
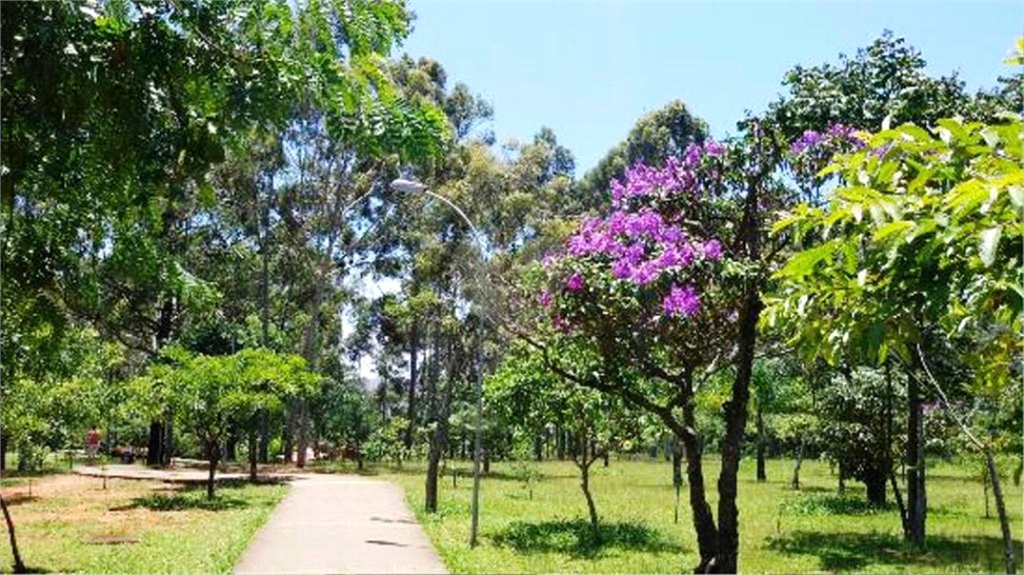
point(781, 531)
point(71, 524)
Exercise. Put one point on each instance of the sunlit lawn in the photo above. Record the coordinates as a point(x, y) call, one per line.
point(782, 531)
point(72, 524)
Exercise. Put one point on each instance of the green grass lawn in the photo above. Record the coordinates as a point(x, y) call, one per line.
point(71, 524)
point(782, 531)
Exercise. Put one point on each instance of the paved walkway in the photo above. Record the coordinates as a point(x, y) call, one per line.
point(340, 524)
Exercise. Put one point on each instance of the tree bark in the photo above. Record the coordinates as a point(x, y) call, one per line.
point(583, 460)
point(168, 449)
point(703, 520)
point(3, 452)
point(155, 446)
point(19, 567)
point(287, 444)
point(213, 453)
point(677, 473)
point(875, 484)
point(916, 499)
point(560, 443)
point(253, 456)
point(437, 436)
point(798, 460)
point(761, 475)
point(231, 448)
point(264, 449)
point(410, 412)
point(1004, 521)
point(736, 419)
point(904, 522)
point(433, 461)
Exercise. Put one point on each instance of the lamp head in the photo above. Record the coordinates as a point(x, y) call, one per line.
point(403, 185)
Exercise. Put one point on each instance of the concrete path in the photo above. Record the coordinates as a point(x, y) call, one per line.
point(340, 524)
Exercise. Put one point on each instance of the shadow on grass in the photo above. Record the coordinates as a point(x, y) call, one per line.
point(182, 502)
point(820, 504)
point(852, 552)
point(19, 498)
point(31, 569)
point(577, 539)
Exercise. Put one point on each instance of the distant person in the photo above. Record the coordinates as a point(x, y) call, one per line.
point(92, 443)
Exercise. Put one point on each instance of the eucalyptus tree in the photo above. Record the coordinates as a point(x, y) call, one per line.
point(655, 137)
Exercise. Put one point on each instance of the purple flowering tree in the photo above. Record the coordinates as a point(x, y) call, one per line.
point(666, 288)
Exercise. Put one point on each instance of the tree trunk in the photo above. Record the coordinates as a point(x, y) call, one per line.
point(265, 292)
point(213, 453)
point(538, 447)
point(303, 432)
point(155, 447)
point(798, 460)
point(1004, 521)
point(19, 567)
point(264, 454)
point(560, 443)
point(703, 520)
point(761, 475)
point(437, 436)
point(583, 461)
point(253, 456)
point(410, 412)
point(736, 419)
point(904, 521)
point(487, 460)
point(677, 473)
point(286, 432)
point(916, 499)
point(3, 452)
point(875, 484)
point(433, 460)
point(168, 449)
point(231, 448)
point(309, 353)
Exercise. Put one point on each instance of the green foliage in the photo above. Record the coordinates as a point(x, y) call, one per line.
point(210, 395)
point(939, 212)
point(655, 137)
point(385, 442)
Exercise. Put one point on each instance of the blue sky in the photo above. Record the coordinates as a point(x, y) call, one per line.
point(589, 69)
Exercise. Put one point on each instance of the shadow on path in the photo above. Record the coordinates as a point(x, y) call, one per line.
point(846, 552)
point(578, 539)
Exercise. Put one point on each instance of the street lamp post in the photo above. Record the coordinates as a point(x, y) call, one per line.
point(402, 185)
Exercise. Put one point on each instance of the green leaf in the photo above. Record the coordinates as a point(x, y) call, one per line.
point(989, 242)
point(885, 233)
point(802, 264)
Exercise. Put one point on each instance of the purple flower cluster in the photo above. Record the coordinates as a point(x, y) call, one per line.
point(640, 245)
point(837, 133)
point(545, 298)
point(681, 301)
point(674, 177)
point(574, 283)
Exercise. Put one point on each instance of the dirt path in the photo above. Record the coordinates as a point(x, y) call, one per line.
point(340, 524)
